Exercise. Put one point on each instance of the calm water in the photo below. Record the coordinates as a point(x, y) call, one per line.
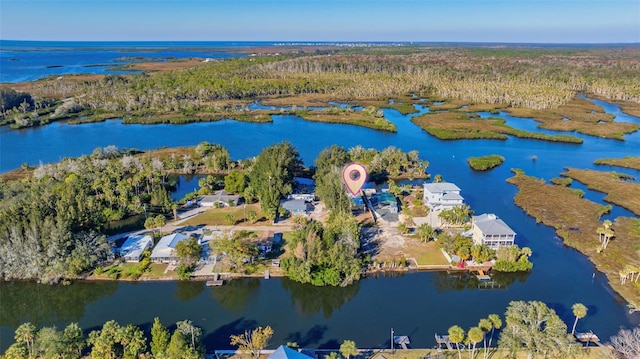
point(414, 304)
point(22, 61)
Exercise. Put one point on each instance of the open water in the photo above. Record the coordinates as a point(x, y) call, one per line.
point(415, 304)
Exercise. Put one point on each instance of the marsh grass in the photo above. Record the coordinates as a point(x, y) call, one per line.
point(578, 115)
point(626, 162)
point(457, 125)
point(618, 187)
point(576, 220)
point(484, 163)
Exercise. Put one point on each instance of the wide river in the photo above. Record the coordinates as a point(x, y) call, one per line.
point(415, 304)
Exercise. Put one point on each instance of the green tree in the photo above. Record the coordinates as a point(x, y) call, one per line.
point(132, 340)
point(475, 335)
point(16, 351)
point(159, 338)
point(229, 219)
point(104, 341)
point(73, 340)
point(272, 175)
point(191, 332)
point(456, 336)
point(348, 348)
point(534, 328)
point(426, 232)
point(49, 343)
point(252, 216)
point(496, 322)
point(237, 249)
point(253, 341)
point(26, 334)
point(329, 185)
point(486, 326)
point(235, 182)
point(188, 251)
point(579, 311)
point(177, 346)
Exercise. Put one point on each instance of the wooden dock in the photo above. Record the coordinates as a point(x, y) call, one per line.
point(402, 340)
point(588, 337)
point(443, 340)
point(482, 276)
point(215, 282)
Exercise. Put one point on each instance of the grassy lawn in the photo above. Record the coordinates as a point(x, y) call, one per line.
point(218, 216)
point(426, 253)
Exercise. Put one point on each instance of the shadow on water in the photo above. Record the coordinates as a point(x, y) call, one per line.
point(188, 290)
point(45, 305)
point(464, 280)
point(310, 300)
point(235, 294)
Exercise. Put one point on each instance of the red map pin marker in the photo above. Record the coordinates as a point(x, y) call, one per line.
point(354, 176)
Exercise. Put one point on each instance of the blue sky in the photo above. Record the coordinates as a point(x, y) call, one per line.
point(542, 21)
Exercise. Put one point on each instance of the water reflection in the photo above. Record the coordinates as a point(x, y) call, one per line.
point(456, 281)
point(47, 305)
point(235, 294)
point(187, 290)
point(309, 300)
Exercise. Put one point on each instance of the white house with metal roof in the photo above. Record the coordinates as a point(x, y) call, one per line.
point(490, 230)
point(164, 251)
point(219, 199)
point(131, 250)
point(442, 195)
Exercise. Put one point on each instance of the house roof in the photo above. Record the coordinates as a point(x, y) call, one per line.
point(165, 246)
point(490, 224)
point(220, 196)
point(294, 205)
point(441, 187)
point(452, 196)
point(135, 245)
point(284, 352)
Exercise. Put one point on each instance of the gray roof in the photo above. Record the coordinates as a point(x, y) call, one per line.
point(135, 245)
point(452, 196)
point(284, 352)
point(441, 187)
point(294, 205)
point(165, 246)
point(220, 196)
point(490, 224)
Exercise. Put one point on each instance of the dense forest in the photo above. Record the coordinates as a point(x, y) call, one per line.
point(532, 78)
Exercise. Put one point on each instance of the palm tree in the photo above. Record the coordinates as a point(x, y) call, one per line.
point(485, 325)
point(580, 311)
point(456, 336)
point(497, 324)
point(475, 335)
point(348, 348)
point(26, 333)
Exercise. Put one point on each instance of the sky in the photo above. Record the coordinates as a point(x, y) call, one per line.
point(509, 21)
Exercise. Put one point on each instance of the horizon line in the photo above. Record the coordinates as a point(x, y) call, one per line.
point(313, 42)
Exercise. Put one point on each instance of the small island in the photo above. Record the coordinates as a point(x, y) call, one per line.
point(485, 163)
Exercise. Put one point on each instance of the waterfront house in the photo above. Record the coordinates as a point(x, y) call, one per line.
point(164, 252)
point(218, 199)
point(442, 195)
point(132, 249)
point(490, 230)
